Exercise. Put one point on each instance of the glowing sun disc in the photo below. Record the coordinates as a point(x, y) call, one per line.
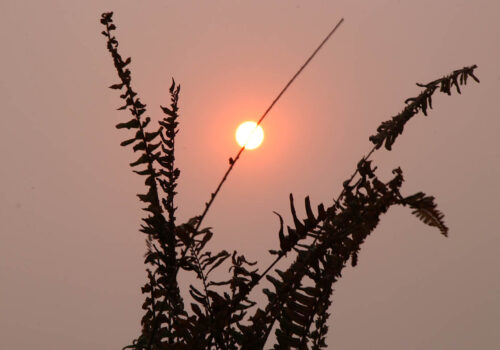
point(250, 135)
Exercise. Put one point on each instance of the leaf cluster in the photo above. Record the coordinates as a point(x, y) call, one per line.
point(389, 130)
point(222, 314)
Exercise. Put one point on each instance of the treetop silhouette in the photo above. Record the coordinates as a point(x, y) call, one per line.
point(222, 314)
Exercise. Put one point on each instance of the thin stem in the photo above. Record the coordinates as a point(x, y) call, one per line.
point(235, 159)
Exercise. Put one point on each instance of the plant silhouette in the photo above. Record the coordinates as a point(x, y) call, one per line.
point(222, 314)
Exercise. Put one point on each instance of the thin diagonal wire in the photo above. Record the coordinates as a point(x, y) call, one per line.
point(233, 162)
point(235, 159)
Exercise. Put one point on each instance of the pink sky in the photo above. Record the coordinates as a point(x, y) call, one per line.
point(70, 252)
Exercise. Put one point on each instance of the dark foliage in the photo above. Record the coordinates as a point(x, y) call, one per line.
point(222, 315)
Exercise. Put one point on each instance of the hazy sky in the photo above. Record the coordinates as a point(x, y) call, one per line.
point(71, 257)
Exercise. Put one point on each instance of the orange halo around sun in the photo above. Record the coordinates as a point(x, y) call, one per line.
point(250, 135)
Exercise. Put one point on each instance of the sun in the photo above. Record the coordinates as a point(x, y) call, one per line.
point(250, 135)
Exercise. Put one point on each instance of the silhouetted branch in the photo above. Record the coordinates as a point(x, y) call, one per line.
point(261, 119)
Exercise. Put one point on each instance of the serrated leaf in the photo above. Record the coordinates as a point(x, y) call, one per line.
point(298, 225)
point(126, 62)
point(152, 135)
point(432, 217)
point(127, 142)
point(133, 123)
point(116, 86)
point(168, 111)
point(196, 309)
point(142, 159)
point(139, 147)
point(281, 235)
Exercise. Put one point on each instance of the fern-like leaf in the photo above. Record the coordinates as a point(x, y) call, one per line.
point(432, 217)
point(426, 210)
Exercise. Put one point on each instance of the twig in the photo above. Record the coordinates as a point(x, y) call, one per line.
point(235, 159)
